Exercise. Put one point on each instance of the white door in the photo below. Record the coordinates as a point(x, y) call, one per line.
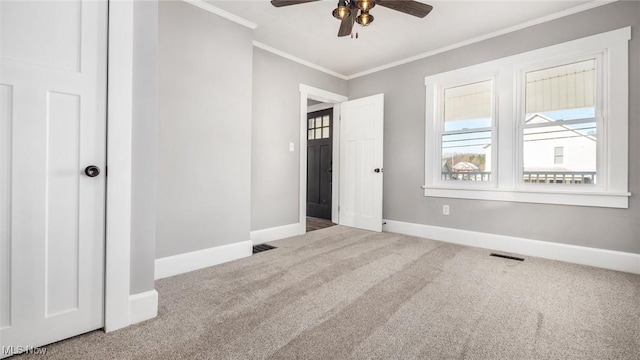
point(52, 126)
point(361, 135)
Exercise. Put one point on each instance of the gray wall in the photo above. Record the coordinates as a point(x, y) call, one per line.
point(145, 135)
point(204, 132)
point(275, 171)
point(614, 229)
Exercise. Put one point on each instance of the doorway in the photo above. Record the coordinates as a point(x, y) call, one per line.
point(312, 100)
point(356, 191)
point(319, 165)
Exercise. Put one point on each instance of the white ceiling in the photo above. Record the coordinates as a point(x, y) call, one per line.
point(309, 32)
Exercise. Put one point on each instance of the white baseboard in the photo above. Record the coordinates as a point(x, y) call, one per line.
point(182, 263)
point(277, 233)
point(607, 259)
point(143, 306)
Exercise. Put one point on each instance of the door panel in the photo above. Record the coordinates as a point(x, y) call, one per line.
point(52, 125)
point(313, 176)
point(361, 141)
point(325, 177)
point(48, 33)
point(62, 209)
point(319, 160)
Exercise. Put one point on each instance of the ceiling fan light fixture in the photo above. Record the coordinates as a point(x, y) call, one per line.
point(342, 11)
point(364, 18)
point(366, 5)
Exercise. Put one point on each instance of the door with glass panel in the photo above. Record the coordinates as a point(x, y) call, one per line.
point(319, 163)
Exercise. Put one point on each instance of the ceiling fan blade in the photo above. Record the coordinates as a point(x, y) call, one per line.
point(280, 3)
point(410, 7)
point(347, 23)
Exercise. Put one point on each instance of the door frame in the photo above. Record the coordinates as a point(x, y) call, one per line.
point(309, 92)
point(119, 156)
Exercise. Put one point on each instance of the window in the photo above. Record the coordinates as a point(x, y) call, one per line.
point(560, 113)
point(546, 126)
point(318, 128)
point(558, 155)
point(467, 122)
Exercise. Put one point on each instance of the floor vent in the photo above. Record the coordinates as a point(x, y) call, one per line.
point(262, 247)
point(507, 257)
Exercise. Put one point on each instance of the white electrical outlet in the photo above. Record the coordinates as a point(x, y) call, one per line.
point(445, 209)
point(291, 146)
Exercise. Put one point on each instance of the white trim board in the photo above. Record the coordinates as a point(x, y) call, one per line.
point(222, 13)
point(607, 259)
point(298, 60)
point(277, 233)
point(318, 107)
point(143, 306)
point(310, 92)
point(195, 260)
point(119, 148)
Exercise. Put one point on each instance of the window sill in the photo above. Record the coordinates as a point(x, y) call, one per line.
point(595, 199)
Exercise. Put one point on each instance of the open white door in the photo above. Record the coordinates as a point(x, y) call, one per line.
point(361, 136)
point(53, 61)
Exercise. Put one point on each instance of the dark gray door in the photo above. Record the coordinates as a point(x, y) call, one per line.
point(319, 155)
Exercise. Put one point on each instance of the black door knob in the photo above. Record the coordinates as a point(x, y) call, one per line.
point(376, 170)
point(92, 171)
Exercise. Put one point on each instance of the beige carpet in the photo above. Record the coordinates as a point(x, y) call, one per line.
point(341, 293)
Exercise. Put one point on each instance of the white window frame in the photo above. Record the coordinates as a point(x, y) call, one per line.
point(557, 156)
point(602, 95)
point(611, 189)
point(439, 128)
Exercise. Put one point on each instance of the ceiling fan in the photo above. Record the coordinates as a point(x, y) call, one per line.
point(357, 11)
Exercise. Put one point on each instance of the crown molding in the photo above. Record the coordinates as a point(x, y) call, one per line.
point(222, 13)
point(298, 60)
point(229, 16)
point(547, 18)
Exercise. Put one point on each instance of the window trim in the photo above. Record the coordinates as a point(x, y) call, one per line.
point(557, 155)
point(439, 128)
point(602, 94)
point(612, 187)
